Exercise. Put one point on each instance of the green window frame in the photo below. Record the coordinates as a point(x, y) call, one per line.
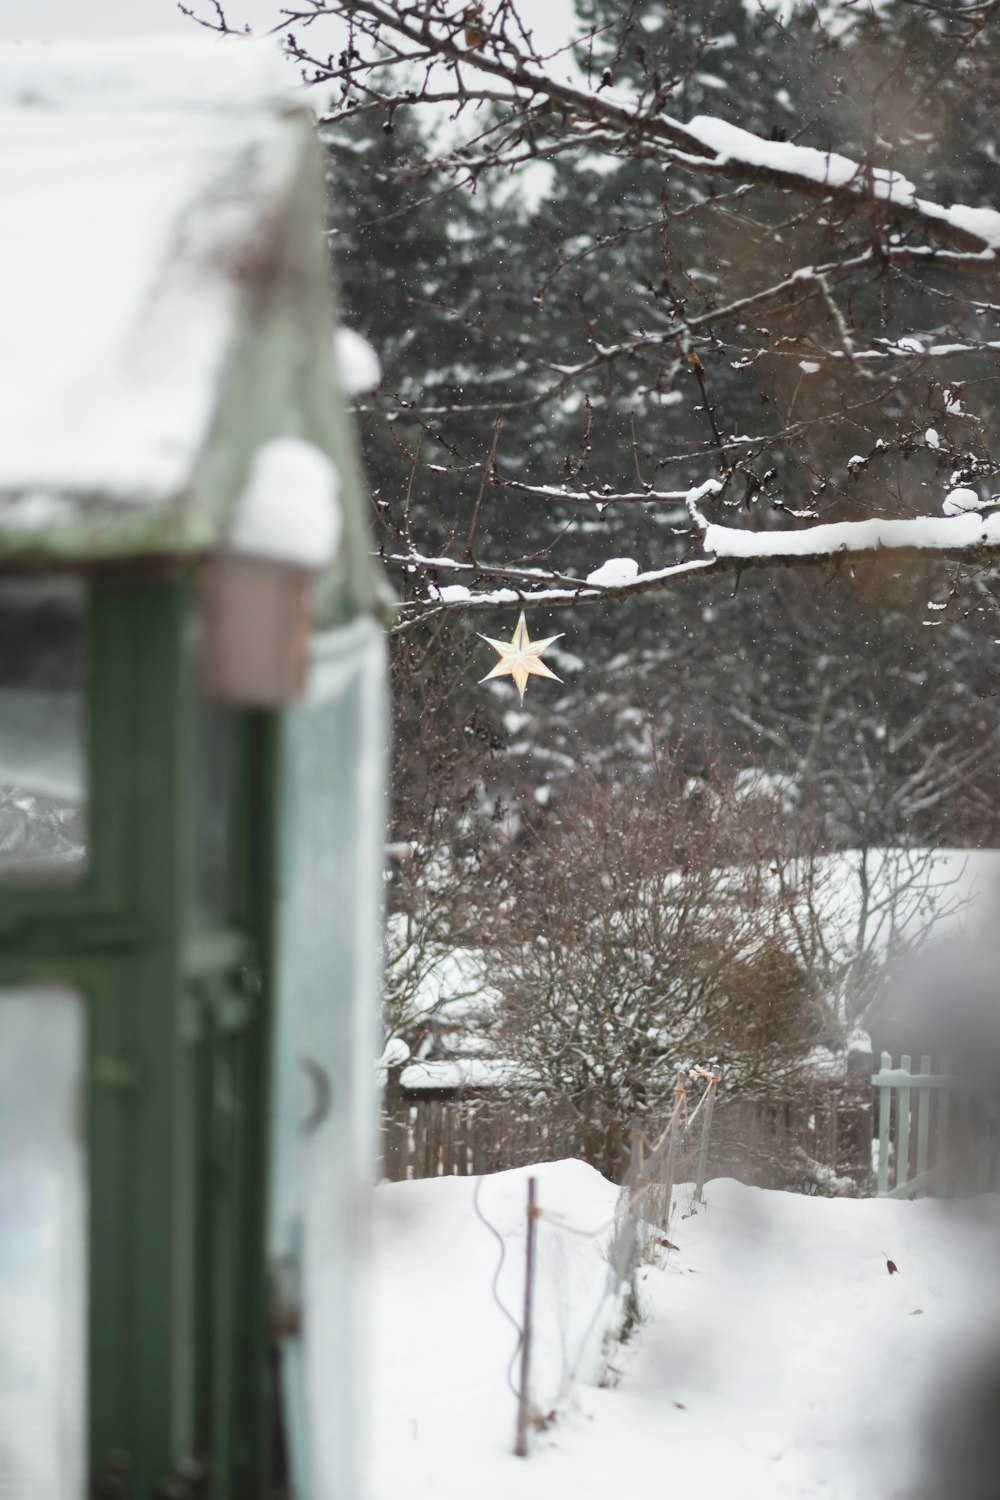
point(178, 1365)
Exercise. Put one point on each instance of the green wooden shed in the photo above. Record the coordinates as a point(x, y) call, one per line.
point(192, 748)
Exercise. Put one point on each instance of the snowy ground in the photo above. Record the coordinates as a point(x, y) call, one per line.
point(775, 1356)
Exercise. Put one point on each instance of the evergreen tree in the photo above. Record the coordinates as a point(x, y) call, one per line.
point(575, 337)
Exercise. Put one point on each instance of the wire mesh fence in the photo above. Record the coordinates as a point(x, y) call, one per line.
point(569, 1288)
point(637, 1228)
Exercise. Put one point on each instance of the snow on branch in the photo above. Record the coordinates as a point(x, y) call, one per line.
point(457, 596)
point(971, 537)
point(968, 536)
point(600, 497)
point(611, 121)
point(739, 153)
point(826, 321)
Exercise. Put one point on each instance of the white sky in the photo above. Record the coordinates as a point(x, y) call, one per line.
point(552, 23)
point(51, 18)
point(551, 20)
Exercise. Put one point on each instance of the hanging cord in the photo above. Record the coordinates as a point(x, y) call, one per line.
point(559, 1223)
point(496, 1278)
point(616, 1222)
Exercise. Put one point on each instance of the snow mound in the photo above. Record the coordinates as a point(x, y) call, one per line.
point(775, 1354)
point(445, 1345)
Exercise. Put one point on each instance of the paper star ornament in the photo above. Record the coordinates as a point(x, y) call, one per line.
point(521, 657)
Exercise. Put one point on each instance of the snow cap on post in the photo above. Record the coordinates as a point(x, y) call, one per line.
point(289, 510)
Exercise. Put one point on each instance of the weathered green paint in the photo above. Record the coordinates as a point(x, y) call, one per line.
point(255, 902)
point(229, 982)
point(180, 1000)
point(179, 1038)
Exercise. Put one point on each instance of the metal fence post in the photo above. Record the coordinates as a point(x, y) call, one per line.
point(623, 1246)
point(524, 1398)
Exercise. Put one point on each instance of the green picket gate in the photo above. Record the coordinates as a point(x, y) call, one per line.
point(935, 1134)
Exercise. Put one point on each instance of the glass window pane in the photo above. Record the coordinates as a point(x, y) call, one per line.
point(325, 1136)
point(43, 1238)
point(43, 834)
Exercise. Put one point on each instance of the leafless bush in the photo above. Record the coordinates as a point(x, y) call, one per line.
point(642, 928)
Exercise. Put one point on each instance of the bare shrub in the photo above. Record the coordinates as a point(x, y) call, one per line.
point(641, 929)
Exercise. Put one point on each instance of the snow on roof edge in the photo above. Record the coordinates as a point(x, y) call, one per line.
point(173, 166)
point(154, 74)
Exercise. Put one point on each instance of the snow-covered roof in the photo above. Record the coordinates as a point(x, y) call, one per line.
point(885, 899)
point(460, 1073)
point(147, 191)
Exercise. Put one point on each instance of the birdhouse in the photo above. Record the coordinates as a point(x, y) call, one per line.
point(192, 748)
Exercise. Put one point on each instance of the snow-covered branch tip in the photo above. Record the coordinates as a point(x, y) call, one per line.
point(972, 536)
point(694, 496)
point(741, 154)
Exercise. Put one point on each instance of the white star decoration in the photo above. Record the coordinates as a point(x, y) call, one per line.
point(521, 657)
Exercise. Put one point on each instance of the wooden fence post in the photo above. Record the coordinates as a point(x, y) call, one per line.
point(676, 1134)
point(623, 1246)
point(903, 1126)
point(884, 1112)
point(945, 1147)
point(706, 1130)
point(395, 1128)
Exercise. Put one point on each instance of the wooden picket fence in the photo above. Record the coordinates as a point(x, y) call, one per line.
point(796, 1143)
point(470, 1137)
point(766, 1142)
point(934, 1134)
